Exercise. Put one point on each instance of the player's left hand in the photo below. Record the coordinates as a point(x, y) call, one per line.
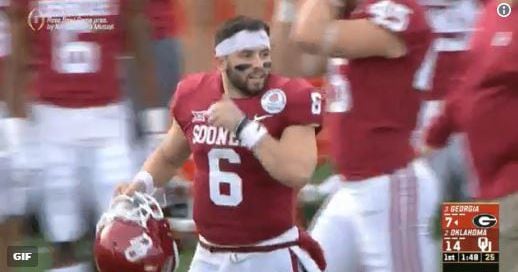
point(225, 113)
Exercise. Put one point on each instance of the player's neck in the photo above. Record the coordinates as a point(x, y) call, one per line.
point(229, 89)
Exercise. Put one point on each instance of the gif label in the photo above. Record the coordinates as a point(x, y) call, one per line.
point(22, 256)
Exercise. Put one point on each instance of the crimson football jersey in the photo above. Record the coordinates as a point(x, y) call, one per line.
point(372, 136)
point(447, 75)
point(486, 108)
point(76, 47)
point(236, 201)
point(452, 23)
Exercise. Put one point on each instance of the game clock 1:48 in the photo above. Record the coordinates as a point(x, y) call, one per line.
point(470, 237)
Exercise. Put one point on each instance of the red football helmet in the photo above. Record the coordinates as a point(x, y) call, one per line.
point(134, 236)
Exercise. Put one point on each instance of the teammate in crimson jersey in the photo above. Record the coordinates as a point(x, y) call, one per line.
point(485, 108)
point(80, 118)
point(452, 22)
point(252, 136)
point(379, 220)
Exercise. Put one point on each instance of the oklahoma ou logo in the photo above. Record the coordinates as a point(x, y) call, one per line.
point(485, 220)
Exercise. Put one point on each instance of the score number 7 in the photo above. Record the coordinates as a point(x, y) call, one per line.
point(449, 220)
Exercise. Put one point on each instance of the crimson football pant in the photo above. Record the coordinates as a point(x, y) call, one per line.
point(382, 224)
point(86, 153)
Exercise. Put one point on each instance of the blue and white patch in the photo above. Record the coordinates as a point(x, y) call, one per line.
point(274, 101)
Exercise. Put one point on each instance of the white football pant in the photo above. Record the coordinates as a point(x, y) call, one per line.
point(285, 259)
point(382, 224)
point(86, 154)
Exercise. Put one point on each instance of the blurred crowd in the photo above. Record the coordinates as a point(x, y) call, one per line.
point(63, 148)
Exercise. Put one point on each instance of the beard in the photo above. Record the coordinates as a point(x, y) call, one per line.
point(242, 80)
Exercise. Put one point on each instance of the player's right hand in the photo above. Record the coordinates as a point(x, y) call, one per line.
point(128, 188)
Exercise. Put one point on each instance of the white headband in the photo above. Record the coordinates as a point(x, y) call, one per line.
point(242, 40)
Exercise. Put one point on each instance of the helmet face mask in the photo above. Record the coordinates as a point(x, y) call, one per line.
point(133, 235)
point(137, 208)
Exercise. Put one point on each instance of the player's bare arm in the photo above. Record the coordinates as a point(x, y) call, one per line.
point(139, 43)
point(317, 30)
point(290, 59)
point(162, 164)
point(291, 159)
point(200, 19)
point(252, 8)
point(16, 68)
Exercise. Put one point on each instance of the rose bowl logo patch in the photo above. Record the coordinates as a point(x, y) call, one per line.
point(273, 101)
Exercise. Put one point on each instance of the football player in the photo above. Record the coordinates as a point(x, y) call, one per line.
point(167, 56)
point(452, 22)
point(380, 219)
point(80, 118)
point(14, 165)
point(252, 136)
point(485, 106)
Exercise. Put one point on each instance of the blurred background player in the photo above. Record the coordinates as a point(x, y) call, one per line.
point(81, 120)
point(5, 48)
point(485, 106)
point(242, 161)
point(452, 23)
point(166, 23)
point(15, 166)
point(380, 219)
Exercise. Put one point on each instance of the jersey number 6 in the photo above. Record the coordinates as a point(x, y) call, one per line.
point(218, 177)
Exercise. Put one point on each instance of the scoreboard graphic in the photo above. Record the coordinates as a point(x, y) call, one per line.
point(470, 237)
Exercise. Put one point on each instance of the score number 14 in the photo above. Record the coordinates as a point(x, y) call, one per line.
point(456, 245)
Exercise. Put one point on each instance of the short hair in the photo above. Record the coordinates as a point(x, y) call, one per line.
point(237, 24)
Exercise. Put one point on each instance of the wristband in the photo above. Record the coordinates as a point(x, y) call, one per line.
point(146, 179)
point(241, 125)
point(252, 133)
point(155, 120)
point(286, 11)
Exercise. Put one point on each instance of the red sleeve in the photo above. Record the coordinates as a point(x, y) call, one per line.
point(444, 124)
point(304, 104)
point(405, 18)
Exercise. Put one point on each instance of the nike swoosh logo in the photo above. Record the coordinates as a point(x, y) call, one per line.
point(262, 117)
